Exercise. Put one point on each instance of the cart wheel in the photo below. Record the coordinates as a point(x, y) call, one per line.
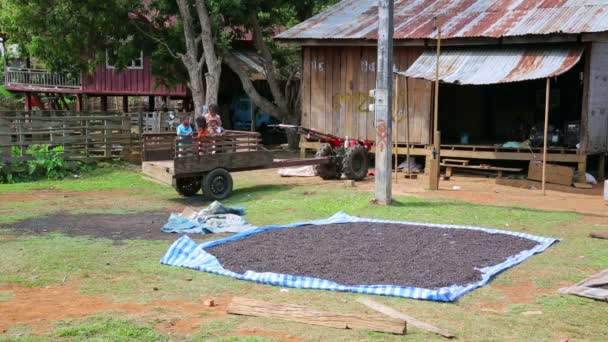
point(217, 184)
point(355, 163)
point(327, 171)
point(188, 186)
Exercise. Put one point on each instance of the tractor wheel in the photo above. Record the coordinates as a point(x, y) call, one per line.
point(355, 163)
point(217, 184)
point(330, 170)
point(188, 186)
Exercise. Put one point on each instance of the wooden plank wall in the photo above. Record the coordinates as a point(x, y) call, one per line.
point(335, 93)
point(597, 116)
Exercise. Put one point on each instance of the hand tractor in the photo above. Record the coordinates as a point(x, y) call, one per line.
point(348, 156)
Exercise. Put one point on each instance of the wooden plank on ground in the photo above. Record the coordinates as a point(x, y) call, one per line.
point(399, 315)
point(603, 236)
point(555, 173)
point(302, 314)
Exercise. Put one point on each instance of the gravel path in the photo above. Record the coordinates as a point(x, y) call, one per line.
point(372, 253)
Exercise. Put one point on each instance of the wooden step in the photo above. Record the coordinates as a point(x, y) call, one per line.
point(462, 162)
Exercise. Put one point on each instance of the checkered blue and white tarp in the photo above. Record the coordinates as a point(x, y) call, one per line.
point(186, 253)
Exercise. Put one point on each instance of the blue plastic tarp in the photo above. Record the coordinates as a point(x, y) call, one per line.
point(216, 218)
point(186, 253)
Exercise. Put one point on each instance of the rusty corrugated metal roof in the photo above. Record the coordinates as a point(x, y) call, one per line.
point(414, 19)
point(492, 65)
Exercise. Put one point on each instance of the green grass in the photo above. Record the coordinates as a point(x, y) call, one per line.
point(130, 272)
point(105, 177)
point(108, 329)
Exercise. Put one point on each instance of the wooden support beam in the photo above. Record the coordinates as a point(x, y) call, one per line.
point(301, 314)
point(601, 172)
point(151, 103)
point(434, 170)
point(545, 143)
point(434, 164)
point(399, 315)
point(104, 103)
point(28, 102)
point(79, 104)
point(125, 104)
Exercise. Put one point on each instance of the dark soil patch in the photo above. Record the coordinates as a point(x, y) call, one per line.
point(137, 226)
point(372, 253)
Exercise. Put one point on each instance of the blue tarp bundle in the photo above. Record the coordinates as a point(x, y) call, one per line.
point(186, 253)
point(216, 218)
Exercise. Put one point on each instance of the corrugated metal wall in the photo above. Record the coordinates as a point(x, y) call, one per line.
point(598, 99)
point(335, 94)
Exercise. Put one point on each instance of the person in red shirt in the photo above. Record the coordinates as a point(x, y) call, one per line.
point(201, 133)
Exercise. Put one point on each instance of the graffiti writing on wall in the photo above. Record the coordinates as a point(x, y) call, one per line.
point(358, 102)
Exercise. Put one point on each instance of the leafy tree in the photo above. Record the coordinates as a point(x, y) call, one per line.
point(189, 40)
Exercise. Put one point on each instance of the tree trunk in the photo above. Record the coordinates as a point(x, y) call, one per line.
point(213, 83)
point(198, 94)
point(191, 59)
point(214, 63)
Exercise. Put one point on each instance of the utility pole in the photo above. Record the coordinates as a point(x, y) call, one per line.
point(384, 103)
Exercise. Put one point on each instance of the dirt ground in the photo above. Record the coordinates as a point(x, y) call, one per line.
point(485, 191)
point(39, 307)
point(117, 227)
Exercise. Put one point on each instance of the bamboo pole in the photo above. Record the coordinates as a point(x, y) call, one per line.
point(435, 153)
point(396, 125)
point(407, 130)
point(547, 104)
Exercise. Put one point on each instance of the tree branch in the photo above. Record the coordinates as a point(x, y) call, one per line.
point(158, 40)
point(192, 43)
point(265, 105)
point(262, 47)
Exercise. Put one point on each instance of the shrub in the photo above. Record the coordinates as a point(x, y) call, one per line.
point(47, 162)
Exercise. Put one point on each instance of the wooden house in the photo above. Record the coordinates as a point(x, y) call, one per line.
point(496, 58)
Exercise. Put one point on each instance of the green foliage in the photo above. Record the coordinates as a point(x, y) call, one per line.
point(47, 162)
point(70, 36)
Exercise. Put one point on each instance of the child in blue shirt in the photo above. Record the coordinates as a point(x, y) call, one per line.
point(184, 131)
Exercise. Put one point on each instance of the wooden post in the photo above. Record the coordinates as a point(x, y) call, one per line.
point(140, 123)
point(86, 138)
point(79, 103)
point(107, 141)
point(150, 103)
point(383, 104)
point(125, 104)
point(435, 154)
point(396, 125)
point(601, 173)
point(547, 104)
point(104, 103)
point(28, 102)
point(407, 130)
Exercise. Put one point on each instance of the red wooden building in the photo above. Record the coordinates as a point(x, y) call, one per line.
point(136, 80)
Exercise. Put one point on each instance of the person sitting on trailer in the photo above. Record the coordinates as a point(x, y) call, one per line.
point(214, 121)
point(201, 132)
point(184, 131)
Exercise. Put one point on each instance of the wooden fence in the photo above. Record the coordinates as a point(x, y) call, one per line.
point(83, 136)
